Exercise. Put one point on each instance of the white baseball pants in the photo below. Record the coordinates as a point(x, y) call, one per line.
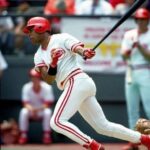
point(25, 115)
point(79, 95)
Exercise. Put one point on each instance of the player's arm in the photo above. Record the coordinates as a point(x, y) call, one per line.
point(126, 47)
point(45, 105)
point(48, 98)
point(45, 76)
point(145, 52)
point(42, 68)
point(86, 53)
point(28, 106)
point(49, 74)
point(126, 54)
point(26, 98)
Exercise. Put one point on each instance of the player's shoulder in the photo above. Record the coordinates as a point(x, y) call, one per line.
point(45, 85)
point(27, 86)
point(62, 35)
point(130, 32)
point(38, 52)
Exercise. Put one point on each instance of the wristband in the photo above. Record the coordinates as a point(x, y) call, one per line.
point(52, 71)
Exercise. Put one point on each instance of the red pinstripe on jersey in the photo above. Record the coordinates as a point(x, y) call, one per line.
point(60, 110)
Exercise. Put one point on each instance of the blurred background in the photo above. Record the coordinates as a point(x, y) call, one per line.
point(89, 23)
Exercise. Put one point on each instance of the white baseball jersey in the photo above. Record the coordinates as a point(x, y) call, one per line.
point(67, 63)
point(78, 95)
point(137, 78)
point(36, 99)
point(132, 36)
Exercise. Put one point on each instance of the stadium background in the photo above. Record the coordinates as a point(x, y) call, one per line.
point(110, 94)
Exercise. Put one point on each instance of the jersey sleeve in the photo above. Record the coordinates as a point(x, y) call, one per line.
point(48, 95)
point(71, 42)
point(25, 94)
point(38, 61)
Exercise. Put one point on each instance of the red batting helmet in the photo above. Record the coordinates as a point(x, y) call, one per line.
point(142, 13)
point(38, 24)
point(4, 3)
point(34, 73)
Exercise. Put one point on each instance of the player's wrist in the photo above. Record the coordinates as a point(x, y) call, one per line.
point(52, 70)
point(88, 53)
point(54, 64)
point(84, 53)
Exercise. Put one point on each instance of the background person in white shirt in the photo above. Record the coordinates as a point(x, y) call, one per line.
point(37, 98)
point(136, 52)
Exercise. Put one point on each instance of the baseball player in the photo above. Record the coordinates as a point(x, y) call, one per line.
point(37, 98)
point(56, 59)
point(136, 51)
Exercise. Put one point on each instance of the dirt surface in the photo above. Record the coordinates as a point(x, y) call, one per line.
point(59, 147)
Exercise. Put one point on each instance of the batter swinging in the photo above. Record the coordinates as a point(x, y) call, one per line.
point(56, 60)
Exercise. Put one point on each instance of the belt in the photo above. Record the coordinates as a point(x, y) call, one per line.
point(140, 66)
point(72, 74)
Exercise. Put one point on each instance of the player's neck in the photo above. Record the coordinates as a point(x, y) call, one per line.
point(36, 88)
point(45, 42)
point(142, 30)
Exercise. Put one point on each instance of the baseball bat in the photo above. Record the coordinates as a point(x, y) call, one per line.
point(132, 9)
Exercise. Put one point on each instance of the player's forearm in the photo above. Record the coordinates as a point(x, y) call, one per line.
point(144, 52)
point(126, 54)
point(46, 77)
point(49, 74)
point(79, 50)
point(43, 107)
point(125, 57)
point(29, 107)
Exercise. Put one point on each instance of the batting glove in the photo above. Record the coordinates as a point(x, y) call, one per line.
point(55, 55)
point(88, 53)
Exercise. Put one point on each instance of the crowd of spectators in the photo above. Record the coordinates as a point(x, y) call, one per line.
point(12, 39)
